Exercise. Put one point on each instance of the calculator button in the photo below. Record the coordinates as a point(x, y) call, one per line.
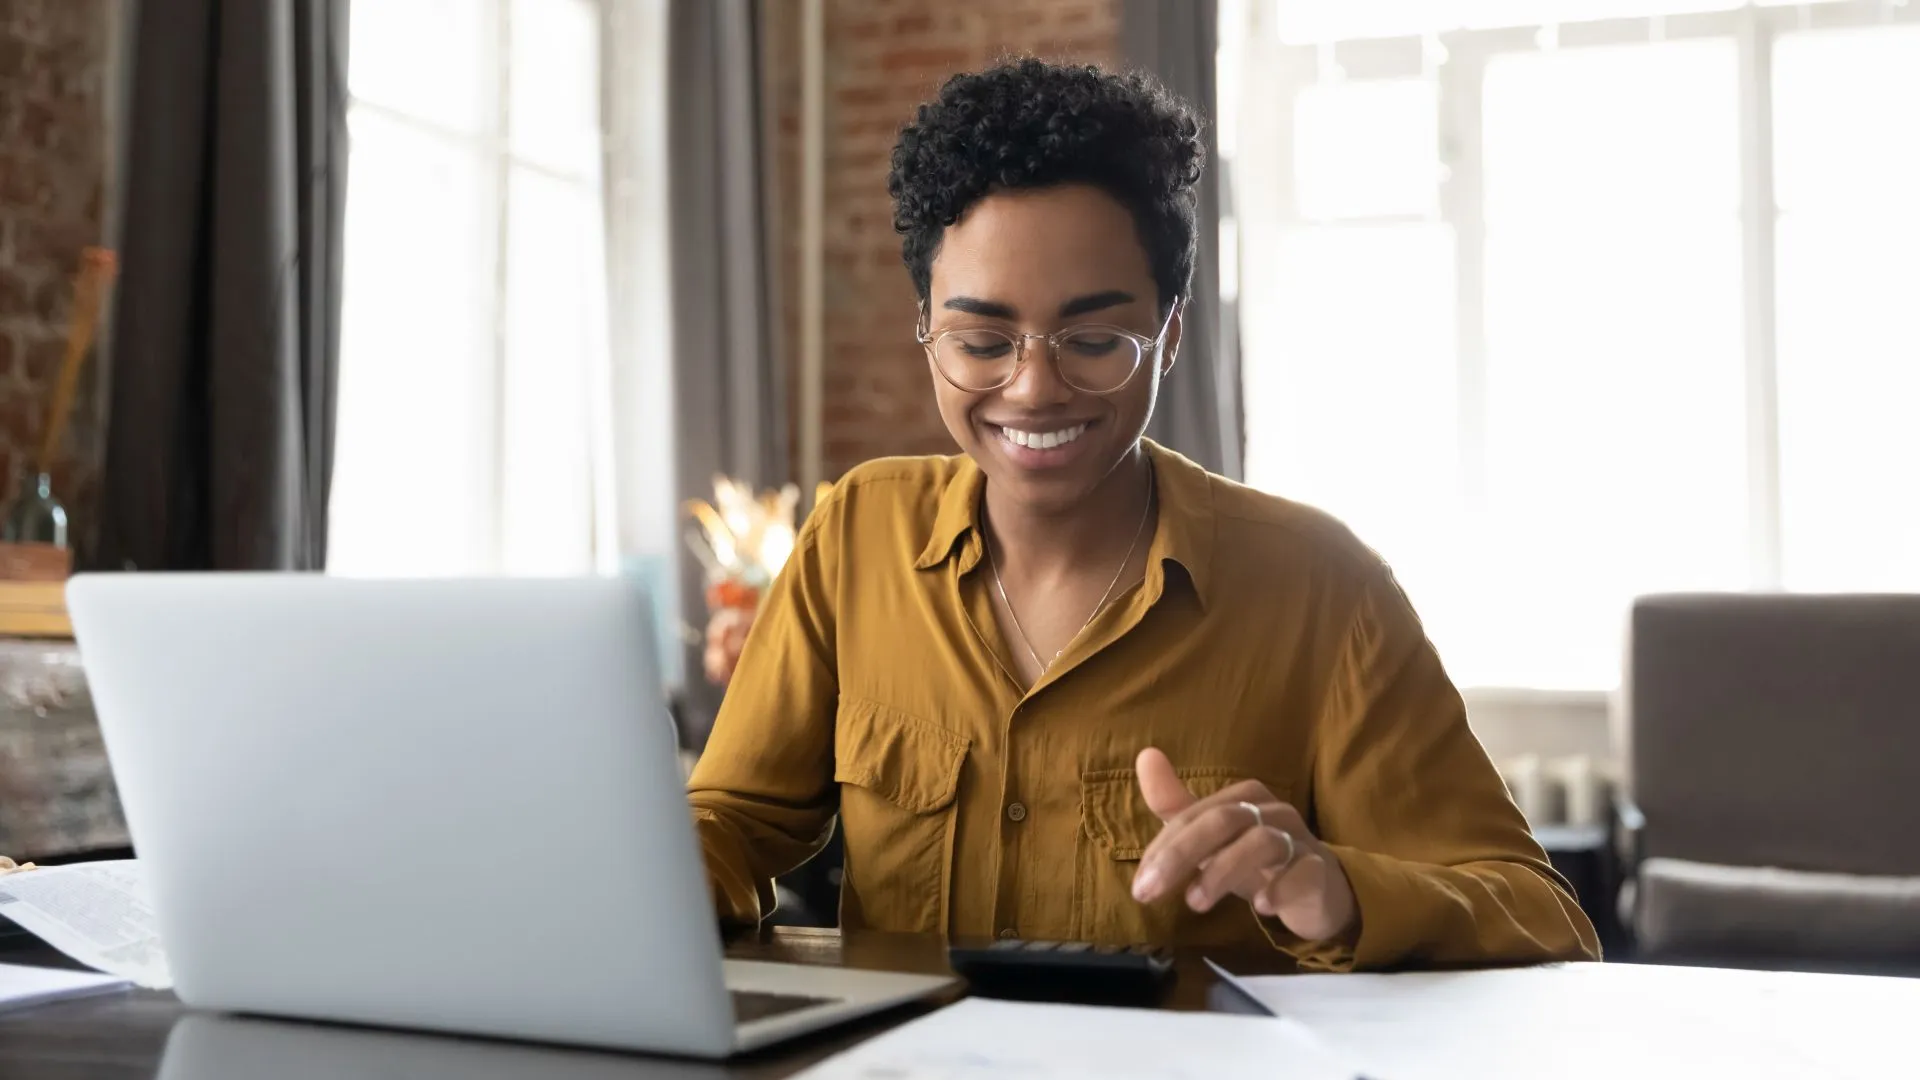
point(1042, 946)
point(1006, 945)
point(1073, 947)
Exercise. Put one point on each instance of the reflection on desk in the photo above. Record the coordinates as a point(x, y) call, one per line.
point(208, 1047)
point(124, 1037)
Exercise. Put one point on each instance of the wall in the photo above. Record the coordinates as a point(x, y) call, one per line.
point(54, 62)
point(883, 58)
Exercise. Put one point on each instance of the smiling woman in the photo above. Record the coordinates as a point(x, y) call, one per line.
point(1023, 673)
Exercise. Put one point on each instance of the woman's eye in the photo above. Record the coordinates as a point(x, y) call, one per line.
point(982, 346)
point(1093, 344)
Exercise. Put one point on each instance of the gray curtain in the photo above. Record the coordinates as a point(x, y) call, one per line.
point(1199, 413)
point(226, 330)
point(728, 395)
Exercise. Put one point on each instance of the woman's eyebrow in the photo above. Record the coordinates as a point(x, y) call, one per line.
point(1095, 302)
point(973, 305)
point(1079, 305)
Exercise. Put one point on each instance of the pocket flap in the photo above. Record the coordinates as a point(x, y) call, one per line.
point(1116, 816)
point(910, 762)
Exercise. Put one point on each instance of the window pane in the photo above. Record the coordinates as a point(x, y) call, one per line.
point(1616, 428)
point(1626, 132)
point(1848, 162)
point(552, 312)
point(1845, 134)
point(1365, 149)
point(1352, 399)
point(554, 84)
point(412, 488)
point(433, 60)
point(1616, 417)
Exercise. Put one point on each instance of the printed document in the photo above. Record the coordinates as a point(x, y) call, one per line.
point(980, 1038)
point(1602, 1021)
point(96, 913)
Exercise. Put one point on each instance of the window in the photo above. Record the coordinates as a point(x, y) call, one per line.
point(473, 347)
point(1554, 315)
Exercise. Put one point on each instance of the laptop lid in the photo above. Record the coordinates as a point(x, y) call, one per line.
point(451, 805)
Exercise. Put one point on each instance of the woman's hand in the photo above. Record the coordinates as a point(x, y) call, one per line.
point(1219, 846)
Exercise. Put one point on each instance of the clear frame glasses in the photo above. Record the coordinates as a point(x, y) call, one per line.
point(1093, 358)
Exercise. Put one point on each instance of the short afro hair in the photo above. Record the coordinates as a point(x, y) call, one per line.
point(1031, 124)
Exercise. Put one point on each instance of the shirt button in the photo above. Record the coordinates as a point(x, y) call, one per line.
point(1009, 934)
point(1017, 812)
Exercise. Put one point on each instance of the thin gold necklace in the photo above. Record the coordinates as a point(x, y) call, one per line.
point(1097, 608)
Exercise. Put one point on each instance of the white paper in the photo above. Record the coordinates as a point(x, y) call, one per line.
point(96, 913)
point(1603, 1020)
point(22, 986)
point(980, 1038)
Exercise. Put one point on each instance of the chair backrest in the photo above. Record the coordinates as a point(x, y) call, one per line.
point(1777, 730)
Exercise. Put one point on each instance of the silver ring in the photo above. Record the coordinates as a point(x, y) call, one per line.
point(1259, 822)
point(1288, 861)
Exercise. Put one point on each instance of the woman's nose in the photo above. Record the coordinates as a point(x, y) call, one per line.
point(1036, 382)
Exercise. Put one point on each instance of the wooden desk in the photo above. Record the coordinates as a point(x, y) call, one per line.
point(124, 1037)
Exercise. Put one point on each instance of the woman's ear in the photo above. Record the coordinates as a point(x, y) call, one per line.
point(1170, 347)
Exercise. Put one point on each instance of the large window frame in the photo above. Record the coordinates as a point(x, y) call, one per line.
point(491, 147)
point(1457, 61)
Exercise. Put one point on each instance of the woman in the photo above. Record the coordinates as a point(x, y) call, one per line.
point(1067, 684)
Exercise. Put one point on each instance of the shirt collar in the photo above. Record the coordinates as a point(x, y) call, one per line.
point(957, 518)
point(1184, 534)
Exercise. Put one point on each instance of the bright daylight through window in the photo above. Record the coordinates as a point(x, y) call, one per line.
point(473, 318)
point(1557, 313)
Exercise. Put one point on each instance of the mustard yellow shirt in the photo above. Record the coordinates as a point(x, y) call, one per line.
point(1265, 642)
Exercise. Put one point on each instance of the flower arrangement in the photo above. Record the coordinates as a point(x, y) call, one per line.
point(742, 539)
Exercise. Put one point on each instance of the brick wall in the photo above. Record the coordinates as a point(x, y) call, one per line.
point(53, 171)
point(884, 57)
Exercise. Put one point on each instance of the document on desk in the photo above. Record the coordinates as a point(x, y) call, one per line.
point(96, 913)
point(1602, 1020)
point(23, 986)
point(979, 1038)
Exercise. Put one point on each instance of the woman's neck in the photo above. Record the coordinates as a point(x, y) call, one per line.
point(1052, 546)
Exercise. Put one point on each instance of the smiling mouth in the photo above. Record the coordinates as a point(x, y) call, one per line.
point(1042, 440)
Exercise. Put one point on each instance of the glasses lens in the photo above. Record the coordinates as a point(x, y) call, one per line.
point(976, 358)
point(1098, 358)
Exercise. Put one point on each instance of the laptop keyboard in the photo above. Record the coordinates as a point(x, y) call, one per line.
point(751, 1005)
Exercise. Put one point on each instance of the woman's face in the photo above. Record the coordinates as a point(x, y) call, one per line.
point(1034, 262)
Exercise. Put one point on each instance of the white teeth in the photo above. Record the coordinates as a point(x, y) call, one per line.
point(1043, 440)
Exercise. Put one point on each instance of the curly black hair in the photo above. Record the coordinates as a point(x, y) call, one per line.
point(1030, 124)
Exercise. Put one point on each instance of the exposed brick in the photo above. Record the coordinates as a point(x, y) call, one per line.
point(42, 358)
point(50, 242)
point(50, 302)
point(52, 146)
point(924, 59)
point(884, 57)
point(15, 57)
point(16, 295)
point(23, 183)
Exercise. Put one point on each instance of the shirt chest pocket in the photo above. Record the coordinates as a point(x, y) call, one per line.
point(898, 777)
point(1116, 827)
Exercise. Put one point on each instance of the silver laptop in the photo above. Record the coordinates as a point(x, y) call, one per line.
point(447, 805)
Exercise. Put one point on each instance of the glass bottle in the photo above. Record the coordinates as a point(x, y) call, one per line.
point(36, 517)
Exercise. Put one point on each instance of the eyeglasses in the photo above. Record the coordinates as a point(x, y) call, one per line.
point(1091, 358)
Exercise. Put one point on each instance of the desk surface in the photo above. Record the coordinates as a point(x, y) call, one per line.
point(123, 1037)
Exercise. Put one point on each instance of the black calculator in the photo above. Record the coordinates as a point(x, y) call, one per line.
point(1063, 970)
